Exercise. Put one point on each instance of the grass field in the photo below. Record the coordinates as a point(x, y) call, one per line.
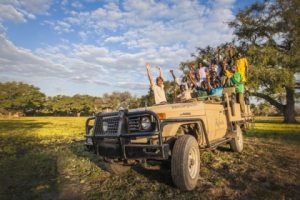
point(44, 158)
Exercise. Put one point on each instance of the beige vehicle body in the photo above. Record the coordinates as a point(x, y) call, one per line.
point(159, 131)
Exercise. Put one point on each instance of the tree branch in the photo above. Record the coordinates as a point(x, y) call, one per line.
point(269, 99)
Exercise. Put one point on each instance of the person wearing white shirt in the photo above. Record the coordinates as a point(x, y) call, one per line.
point(158, 87)
point(184, 89)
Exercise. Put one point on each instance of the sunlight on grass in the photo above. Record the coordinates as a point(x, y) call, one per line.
point(44, 158)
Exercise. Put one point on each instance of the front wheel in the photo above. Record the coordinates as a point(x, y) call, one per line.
point(237, 143)
point(185, 163)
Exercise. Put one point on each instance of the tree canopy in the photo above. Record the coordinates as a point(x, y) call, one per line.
point(269, 33)
point(21, 97)
point(29, 100)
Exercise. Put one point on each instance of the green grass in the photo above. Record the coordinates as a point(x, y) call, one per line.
point(44, 158)
point(289, 133)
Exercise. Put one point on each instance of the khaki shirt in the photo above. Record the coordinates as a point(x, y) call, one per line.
point(159, 94)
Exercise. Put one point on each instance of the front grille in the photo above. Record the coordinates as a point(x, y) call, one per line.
point(134, 124)
point(112, 125)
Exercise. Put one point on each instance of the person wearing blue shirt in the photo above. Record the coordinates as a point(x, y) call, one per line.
point(217, 89)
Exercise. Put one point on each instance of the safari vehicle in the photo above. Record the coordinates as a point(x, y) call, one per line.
point(172, 133)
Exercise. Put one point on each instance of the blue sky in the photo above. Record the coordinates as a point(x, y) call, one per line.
point(94, 47)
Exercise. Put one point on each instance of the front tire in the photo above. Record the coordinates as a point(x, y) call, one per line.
point(237, 143)
point(185, 163)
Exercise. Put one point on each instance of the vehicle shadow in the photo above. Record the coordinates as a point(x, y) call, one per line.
point(28, 170)
point(154, 171)
point(159, 172)
point(78, 148)
point(224, 175)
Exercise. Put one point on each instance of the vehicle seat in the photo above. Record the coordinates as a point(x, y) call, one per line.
point(229, 91)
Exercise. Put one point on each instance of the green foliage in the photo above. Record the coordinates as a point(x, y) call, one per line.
point(75, 105)
point(115, 100)
point(20, 97)
point(270, 34)
point(270, 31)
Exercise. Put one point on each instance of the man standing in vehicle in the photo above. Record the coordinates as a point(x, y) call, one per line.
point(237, 81)
point(242, 66)
point(158, 88)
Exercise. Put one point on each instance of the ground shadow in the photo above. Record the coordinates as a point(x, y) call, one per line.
point(28, 170)
point(229, 175)
point(155, 171)
point(158, 171)
point(79, 149)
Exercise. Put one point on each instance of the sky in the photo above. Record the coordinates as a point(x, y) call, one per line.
point(100, 46)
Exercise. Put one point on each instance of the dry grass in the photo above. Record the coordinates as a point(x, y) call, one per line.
point(44, 158)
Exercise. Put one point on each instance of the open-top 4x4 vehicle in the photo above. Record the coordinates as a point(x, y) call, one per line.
point(168, 132)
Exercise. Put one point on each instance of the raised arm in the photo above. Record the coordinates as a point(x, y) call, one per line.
point(148, 67)
point(161, 73)
point(178, 82)
point(173, 75)
point(190, 77)
point(208, 83)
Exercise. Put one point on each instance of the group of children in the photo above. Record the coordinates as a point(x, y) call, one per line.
point(208, 78)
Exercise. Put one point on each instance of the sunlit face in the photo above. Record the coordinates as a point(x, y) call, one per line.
point(233, 68)
point(159, 82)
point(182, 88)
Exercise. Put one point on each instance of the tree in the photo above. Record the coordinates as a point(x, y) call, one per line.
point(269, 32)
point(116, 100)
point(21, 97)
point(76, 105)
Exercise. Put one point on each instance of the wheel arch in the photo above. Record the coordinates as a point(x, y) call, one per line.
point(194, 127)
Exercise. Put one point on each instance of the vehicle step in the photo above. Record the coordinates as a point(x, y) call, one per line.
point(216, 143)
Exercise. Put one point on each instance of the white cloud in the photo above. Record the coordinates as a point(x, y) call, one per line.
point(114, 39)
point(162, 33)
point(83, 35)
point(36, 7)
point(21, 10)
point(85, 64)
point(23, 62)
point(77, 4)
point(8, 12)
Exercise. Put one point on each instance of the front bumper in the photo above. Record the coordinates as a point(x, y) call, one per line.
point(131, 151)
point(119, 146)
point(115, 148)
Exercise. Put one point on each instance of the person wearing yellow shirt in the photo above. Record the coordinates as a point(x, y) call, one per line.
point(242, 66)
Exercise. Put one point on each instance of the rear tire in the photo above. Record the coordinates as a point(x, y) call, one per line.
point(185, 163)
point(237, 143)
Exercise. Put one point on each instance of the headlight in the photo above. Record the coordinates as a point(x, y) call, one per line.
point(104, 126)
point(145, 123)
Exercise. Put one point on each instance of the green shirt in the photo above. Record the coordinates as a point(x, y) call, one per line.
point(236, 80)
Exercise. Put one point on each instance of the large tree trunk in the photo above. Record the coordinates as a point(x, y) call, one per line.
point(289, 109)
